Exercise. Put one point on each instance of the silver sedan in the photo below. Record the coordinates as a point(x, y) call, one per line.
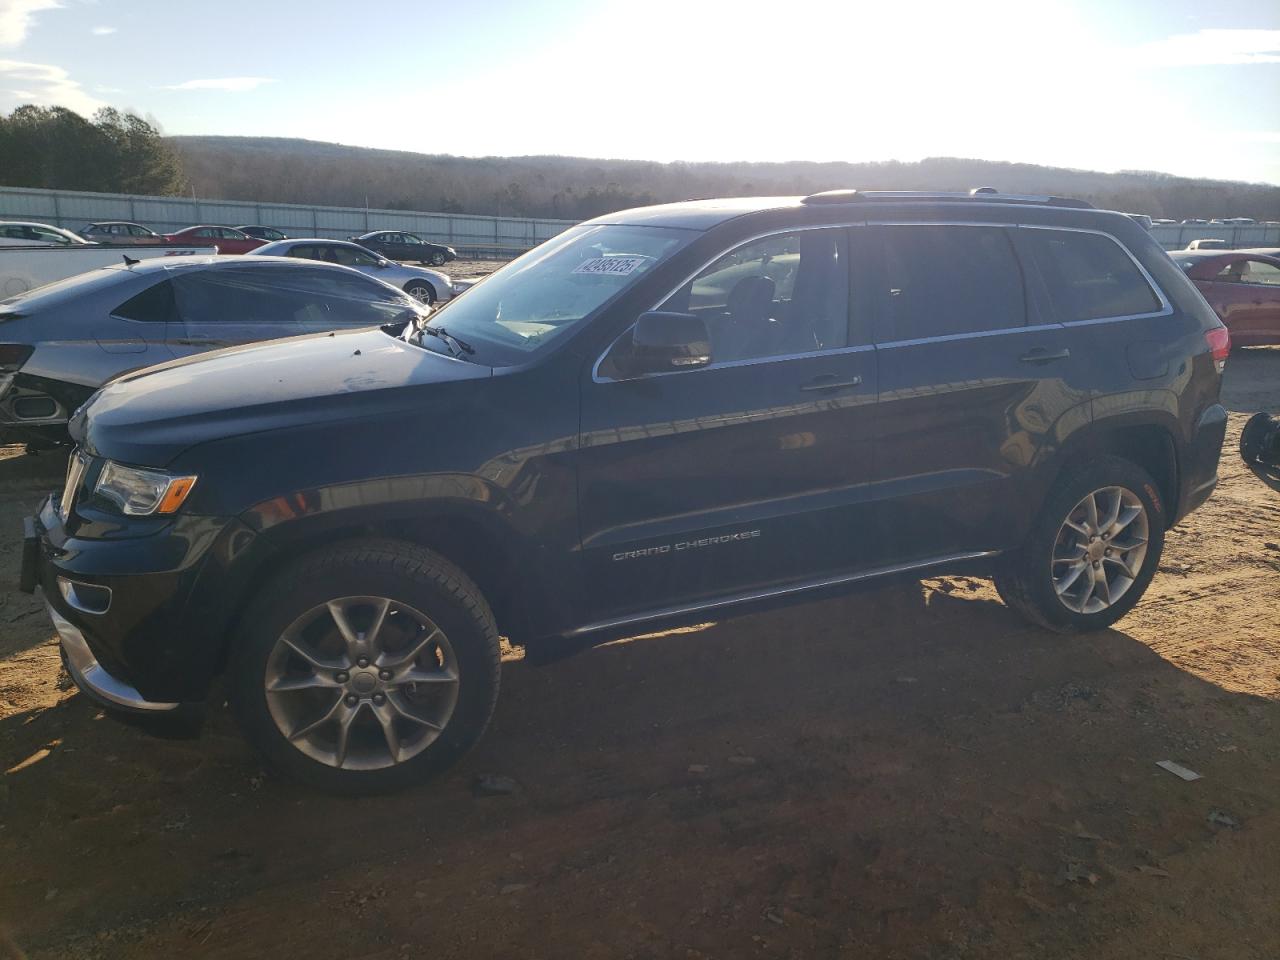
point(429, 286)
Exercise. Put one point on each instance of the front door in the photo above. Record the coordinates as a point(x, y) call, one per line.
point(746, 475)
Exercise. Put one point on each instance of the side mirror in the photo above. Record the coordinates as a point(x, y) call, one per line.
point(384, 263)
point(662, 342)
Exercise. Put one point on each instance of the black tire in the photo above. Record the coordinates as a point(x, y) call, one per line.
point(438, 259)
point(1025, 581)
point(1252, 436)
point(406, 574)
point(421, 290)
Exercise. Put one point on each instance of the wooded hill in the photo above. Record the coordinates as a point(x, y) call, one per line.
point(575, 188)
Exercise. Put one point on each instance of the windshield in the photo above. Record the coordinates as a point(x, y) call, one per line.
point(539, 297)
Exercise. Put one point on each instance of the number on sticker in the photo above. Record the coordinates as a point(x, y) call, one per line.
point(610, 266)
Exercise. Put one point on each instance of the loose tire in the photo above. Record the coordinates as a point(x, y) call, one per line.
point(366, 667)
point(1253, 436)
point(1092, 550)
point(421, 290)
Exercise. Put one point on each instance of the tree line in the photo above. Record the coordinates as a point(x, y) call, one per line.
point(575, 188)
point(120, 152)
point(114, 152)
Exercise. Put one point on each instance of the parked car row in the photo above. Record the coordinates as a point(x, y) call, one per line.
point(392, 244)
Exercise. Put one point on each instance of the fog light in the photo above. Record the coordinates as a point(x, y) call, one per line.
point(34, 408)
point(85, 597)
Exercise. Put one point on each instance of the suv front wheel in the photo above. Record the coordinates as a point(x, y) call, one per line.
point(366, 667)
point(1093, 549)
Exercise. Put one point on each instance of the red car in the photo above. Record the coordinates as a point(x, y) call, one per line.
point(1242, 286)
point(226, 239)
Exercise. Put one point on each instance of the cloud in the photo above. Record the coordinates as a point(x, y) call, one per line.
point(103, 31)
point(228, 84)
point(1207, 48)
point(45, 84)
point(16, 17)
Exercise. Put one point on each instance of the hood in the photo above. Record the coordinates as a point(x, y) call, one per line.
point(149, 417)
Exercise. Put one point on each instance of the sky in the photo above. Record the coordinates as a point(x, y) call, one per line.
point(1189, 87)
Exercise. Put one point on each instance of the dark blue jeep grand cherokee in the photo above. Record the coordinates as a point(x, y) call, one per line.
point(659, 415)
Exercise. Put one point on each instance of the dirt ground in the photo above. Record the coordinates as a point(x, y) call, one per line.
point(911, 772)
point(470, 269)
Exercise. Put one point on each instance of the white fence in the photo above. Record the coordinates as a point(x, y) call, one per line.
point(470, 235)
point(1176, 236)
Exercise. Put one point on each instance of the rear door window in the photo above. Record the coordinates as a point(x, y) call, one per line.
point(1088, 276)
point(942, 281)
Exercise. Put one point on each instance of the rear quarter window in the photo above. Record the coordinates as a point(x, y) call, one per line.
point(1088, 276)
point(153, 305)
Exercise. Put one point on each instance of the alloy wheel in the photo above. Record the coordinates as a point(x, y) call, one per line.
point(1100, 549)
point(361, 683)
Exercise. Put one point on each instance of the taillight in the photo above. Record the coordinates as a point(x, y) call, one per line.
point(1219, 340)
point(13, 356)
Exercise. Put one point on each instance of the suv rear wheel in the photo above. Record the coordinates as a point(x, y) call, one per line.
point(366, 667)
point(1092, 551)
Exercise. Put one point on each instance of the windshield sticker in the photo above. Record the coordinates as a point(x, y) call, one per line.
point(610, 266)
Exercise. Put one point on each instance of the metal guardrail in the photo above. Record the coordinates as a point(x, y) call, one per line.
point(1176, 236)
point(471, 236)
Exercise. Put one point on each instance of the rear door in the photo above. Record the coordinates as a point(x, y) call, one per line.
point(746, 475)
point(973, 380)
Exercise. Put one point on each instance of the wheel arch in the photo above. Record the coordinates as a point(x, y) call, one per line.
point(485, 548)
point(1149, 443)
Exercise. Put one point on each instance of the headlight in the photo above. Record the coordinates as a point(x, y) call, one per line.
point(141, 493)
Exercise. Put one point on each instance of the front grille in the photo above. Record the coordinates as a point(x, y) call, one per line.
point(76, 464)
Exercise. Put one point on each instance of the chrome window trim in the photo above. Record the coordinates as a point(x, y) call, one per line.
point(1166, 307)
point(971, 335)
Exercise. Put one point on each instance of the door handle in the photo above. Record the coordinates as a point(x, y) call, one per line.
point(829, 382)
point(1041, 355)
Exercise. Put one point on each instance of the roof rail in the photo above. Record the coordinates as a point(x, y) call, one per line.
point(978, 194)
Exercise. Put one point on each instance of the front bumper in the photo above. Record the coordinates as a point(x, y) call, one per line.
point(143, 620)
point(92, 678)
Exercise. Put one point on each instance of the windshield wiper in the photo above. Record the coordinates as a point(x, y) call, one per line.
point(448, 338)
